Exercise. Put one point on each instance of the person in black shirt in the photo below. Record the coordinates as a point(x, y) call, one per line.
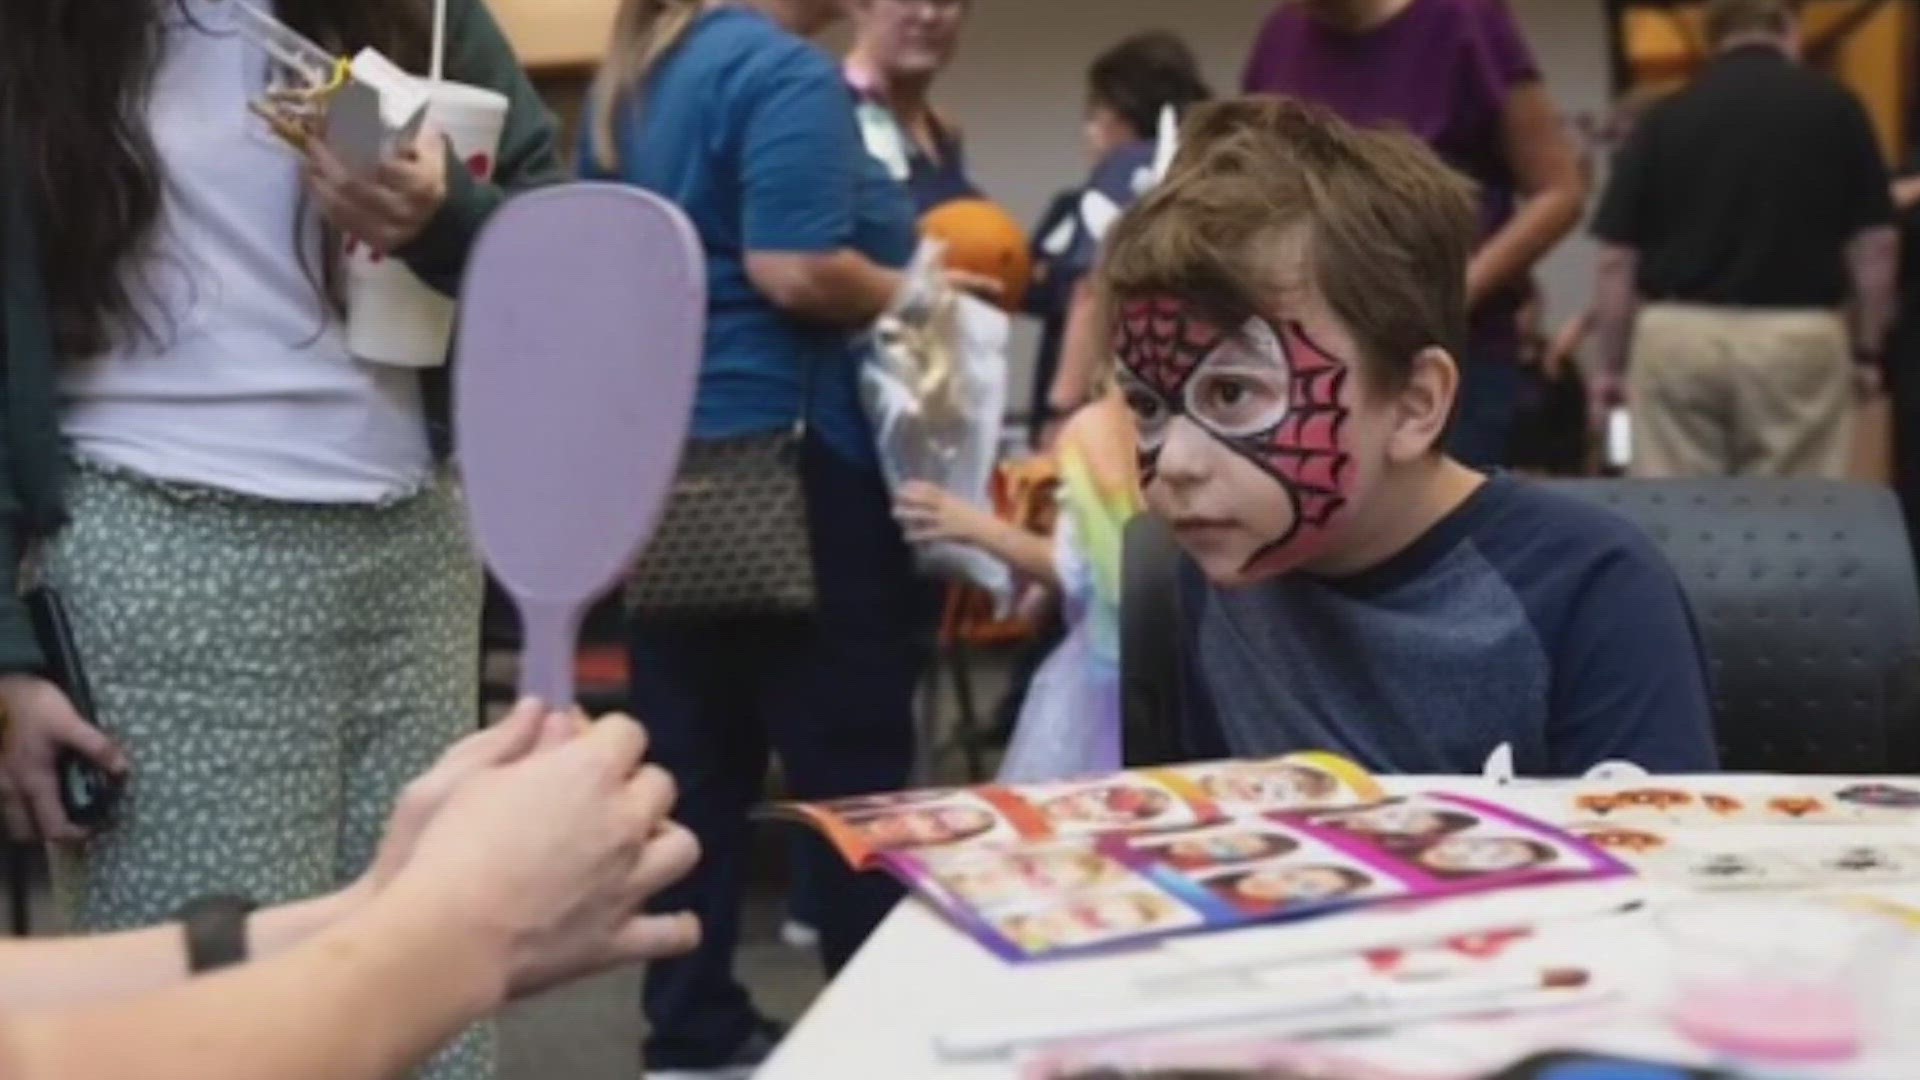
point(1745, 212)
point(1904, 346)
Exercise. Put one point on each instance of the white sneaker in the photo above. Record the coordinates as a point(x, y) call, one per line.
point(795, 934)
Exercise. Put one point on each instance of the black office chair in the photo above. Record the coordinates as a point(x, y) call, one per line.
point(1805, 597)
point(1804, 592)
point(1152, 648)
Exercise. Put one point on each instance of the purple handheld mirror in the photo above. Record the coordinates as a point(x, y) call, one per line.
point(582, 322)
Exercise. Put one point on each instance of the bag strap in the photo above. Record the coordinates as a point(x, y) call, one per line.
point(804, 420)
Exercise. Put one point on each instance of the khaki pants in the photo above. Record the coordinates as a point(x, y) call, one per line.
point(1724, 391)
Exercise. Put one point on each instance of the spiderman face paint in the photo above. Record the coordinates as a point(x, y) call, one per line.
point(1271, 400)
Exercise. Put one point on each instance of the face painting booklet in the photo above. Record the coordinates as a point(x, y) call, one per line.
point(1046, 870)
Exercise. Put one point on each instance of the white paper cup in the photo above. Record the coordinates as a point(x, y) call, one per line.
point(392, 316)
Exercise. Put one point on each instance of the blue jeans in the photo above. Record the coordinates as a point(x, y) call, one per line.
point(833, 696)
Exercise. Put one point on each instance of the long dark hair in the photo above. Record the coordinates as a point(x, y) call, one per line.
point(75, 76)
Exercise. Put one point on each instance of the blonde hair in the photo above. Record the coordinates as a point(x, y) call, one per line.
point(644, 32)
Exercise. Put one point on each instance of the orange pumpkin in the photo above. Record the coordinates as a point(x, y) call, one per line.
point(982, 238)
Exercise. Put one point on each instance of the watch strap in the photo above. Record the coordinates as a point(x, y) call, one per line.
point(216, 930)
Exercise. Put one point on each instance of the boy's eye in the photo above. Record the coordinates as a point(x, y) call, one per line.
point(1233, 404)
point(1228, 392)
point(1150, 411)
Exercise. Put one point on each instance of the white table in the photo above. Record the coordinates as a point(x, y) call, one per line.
point(918, 975)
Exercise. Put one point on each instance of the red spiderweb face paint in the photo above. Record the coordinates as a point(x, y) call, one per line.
point(1273, 399)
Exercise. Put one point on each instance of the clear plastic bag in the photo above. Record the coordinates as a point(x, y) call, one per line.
point(935, 390)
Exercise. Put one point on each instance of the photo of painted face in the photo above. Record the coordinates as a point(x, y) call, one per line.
point(1618, 838)
point(862, 804)
point(1091, 921)
point(1480, 856)
point(1020, 875)
point(1880, 796)
point(1210, 848)
point(923, 826)
point(1241, 435)
point(1108, 806)
point(1401, 823)
point(1278, 886)
point(1273, 785)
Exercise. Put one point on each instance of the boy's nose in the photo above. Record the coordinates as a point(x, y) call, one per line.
point(1183, 457)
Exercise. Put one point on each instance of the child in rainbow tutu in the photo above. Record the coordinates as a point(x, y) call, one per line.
point(1069, 722)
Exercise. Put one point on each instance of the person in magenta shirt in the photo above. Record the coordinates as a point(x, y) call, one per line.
point(1458, 74)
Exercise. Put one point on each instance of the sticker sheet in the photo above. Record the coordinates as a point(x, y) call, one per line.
point(1122, 887)
point(1857, 802)
point(865, 827)
point(1053, 869)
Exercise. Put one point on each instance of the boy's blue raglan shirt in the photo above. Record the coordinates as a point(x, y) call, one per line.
point(1525, 617)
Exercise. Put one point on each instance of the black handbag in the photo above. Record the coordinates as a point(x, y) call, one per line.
point(733, 543)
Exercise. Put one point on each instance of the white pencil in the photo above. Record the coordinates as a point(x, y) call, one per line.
point(1279, 1015)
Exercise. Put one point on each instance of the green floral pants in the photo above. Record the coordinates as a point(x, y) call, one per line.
point(276, 673)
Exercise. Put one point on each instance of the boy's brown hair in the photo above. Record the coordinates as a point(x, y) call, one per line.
point(1386, 229)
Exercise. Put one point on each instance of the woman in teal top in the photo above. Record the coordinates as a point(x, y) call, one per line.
point(729, 112)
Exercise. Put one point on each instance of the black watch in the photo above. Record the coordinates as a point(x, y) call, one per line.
point(216, 929)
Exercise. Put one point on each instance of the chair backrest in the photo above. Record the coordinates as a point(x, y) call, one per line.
point(1805, 597)
point(1804, 593)
point(1150, 645)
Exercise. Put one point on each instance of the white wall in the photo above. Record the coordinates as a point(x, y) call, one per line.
point(1017, 87)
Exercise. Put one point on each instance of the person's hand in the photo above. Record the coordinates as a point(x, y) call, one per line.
point(527, 729)
point(40, 724)
point(985, 286)
point(928, 513)
point(387, 207)
point(549, 858)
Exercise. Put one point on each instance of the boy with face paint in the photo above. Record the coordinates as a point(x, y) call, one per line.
point(1287, 309)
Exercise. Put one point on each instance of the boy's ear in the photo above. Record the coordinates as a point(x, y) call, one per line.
point(1425, 405)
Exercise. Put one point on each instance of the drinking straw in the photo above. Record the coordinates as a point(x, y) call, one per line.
point(439, 40)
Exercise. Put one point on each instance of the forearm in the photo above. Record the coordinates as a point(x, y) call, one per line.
point(1873, 259)
point(368, 998)
point(1616, 303)
point(1031, 556)
point(62, 972)
point(843, 288)
point(1529, 235)
point(438, 256)
point(1080, 345)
